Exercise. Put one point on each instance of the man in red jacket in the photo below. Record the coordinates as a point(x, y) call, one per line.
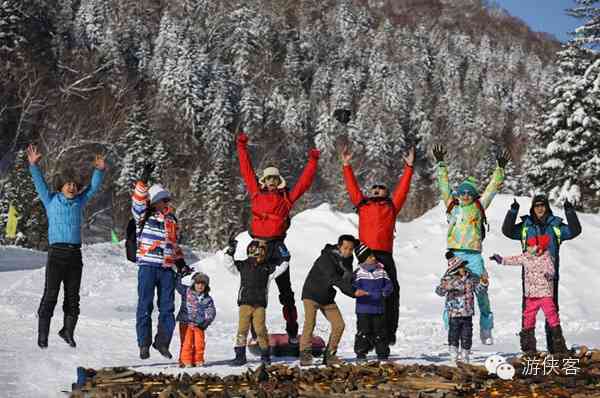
point(376, 220)
point(271, 202)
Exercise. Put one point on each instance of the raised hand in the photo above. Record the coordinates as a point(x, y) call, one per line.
point(568, 205)
point(314, 153)
point(346, 155)
point(242, 138)
point(33, 155)
point(515, 205)
point(230, 251)
point(99, 162)
point(409, 158)
point(503, 158)
point(497, 258)
point(148, 169)
point(439, 152)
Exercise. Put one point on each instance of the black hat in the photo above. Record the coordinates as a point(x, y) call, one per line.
point(362, 252)
point(540, 198)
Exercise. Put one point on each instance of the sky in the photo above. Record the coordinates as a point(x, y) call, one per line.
point(544, 15)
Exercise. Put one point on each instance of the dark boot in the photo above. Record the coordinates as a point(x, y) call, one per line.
point(240, 356)
point(68, 329)
point(306, 357)
point(558, 341)
point(164, 350)
point(144, 352)
point(43, 331)
point(528, 341)
point(265, 356)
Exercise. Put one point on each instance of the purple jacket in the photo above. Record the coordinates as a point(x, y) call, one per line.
point(373, 279)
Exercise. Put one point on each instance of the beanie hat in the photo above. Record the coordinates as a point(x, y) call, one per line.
point(468, 186)
point(158, 193)
point(201, 277)
point(272, 172)
point(362, 252)
point(454, 263)
point(541, 241)
point(65, 177)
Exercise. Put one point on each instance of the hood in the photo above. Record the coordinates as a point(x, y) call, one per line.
point(544, 199)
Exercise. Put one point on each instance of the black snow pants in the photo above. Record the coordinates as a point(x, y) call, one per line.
point(391, 302)
point(460, 331)
point(371, 333)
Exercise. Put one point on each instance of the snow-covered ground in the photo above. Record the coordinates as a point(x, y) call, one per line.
point(106, 329)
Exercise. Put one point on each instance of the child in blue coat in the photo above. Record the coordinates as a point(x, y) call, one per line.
point(370, 322)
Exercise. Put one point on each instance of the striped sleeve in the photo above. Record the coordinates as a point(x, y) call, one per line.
point(139, 200)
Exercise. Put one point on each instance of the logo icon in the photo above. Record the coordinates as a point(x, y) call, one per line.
point(495, 364)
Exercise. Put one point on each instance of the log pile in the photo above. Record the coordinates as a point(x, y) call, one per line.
point(353, 381)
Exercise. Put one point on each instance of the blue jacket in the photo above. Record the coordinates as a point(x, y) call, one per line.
point(551, 226)
point(205, 311)
point(373, 279)
point(64, 215)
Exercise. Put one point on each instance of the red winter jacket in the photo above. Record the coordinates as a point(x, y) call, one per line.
point(376, 219)
point(271, 209)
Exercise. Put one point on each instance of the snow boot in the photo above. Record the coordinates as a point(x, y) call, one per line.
point(528, 342)
point(382, 357)
point(361, 358)
point(329, 358)
point(465, 356)
point(265, 356)
point(558, 341)
point(68, 329)
point(164, 351)
point(454, 355)
point(486, 336)
point(306, 357)
point(43, 331)
point(240, 356)
point(144, 352)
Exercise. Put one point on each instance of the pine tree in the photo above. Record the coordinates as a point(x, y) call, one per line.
point(11, 34)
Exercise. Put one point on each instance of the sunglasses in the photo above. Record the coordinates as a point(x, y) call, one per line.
point(541, 204)
point(382, 187)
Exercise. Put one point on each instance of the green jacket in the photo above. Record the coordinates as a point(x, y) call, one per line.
point(464, 221)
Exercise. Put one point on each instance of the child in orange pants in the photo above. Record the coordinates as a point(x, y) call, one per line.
point(196, 313)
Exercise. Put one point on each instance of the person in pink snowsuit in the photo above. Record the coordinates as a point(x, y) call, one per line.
point(538, 265)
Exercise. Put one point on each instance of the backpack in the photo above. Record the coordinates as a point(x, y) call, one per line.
point(481, 209)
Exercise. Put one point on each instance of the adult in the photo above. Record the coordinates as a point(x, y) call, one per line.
point(271, 202)
point(64, 210)
point(157, 255)
point(376, 222)
point(332, 268)
point(542, 222)
point(465, 213)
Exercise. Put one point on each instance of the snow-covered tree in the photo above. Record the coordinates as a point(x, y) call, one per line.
point(589, 33)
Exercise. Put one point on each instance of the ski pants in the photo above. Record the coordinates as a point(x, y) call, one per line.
point(461, 331)
point(371, 333)
point(277, 253)
point(392, 302)
point(549, 344)
point(64, 266)
point(161, 280)
point(251, 315)
point(192, 344)
point(331, 313)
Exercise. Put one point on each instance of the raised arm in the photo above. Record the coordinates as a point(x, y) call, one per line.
point(279, 269)
point(573, 227)
point(34, 156)
point(97, 177)
point(497, 179)
point(510, 228)
point(179, 286)
point(210, 315)
point(439, 153)
point(307, 177)
point(401, 191)
point(246, 169)
point(139, 201)
point(229, 263)
point(352, 186)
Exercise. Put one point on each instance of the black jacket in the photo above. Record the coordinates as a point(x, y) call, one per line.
point(329, 270)
point(254, 280)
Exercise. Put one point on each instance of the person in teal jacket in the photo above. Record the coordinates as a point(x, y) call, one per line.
point(64, 210)
point(465, 213)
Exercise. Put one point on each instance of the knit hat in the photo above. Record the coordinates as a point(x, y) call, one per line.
point(362, 252)
point(269, 172)
point(66, 176)
point(454, 263)
point(469, 186)
point(541, 241)
point(201, 277)
point(158, 193)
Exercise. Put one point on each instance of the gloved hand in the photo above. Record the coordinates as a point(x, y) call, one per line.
point(497, 258)
point(242, 138)
point(568, 205)
point(314, 153)
point(503, 158)
point(230, 251)
point(439, 153)
point(148, 169)
point(182, 268)
point(515, 205)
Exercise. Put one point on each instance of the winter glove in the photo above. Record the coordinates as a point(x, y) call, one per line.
point(503, 158)
point(242, 138)
point(148, 169)
point(230, 251)
point(497, 258)
point(182, 268)
point(314, 154)
point(515, 205)
point(568, 205)
point(439, 153)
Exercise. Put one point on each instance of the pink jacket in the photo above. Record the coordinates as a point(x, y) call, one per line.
point(539, 273)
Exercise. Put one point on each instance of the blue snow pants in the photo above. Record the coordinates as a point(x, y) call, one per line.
point(163, 281)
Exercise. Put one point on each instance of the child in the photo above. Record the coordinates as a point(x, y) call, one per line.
point(458, 285)
point(64, 210)
point(255, 275)
point(370, 321)
point(196, 313)
point(539, 274)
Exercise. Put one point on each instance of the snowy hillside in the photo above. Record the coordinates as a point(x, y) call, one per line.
point(106, 330)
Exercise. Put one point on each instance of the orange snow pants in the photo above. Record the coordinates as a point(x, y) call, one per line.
point(192, 344)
